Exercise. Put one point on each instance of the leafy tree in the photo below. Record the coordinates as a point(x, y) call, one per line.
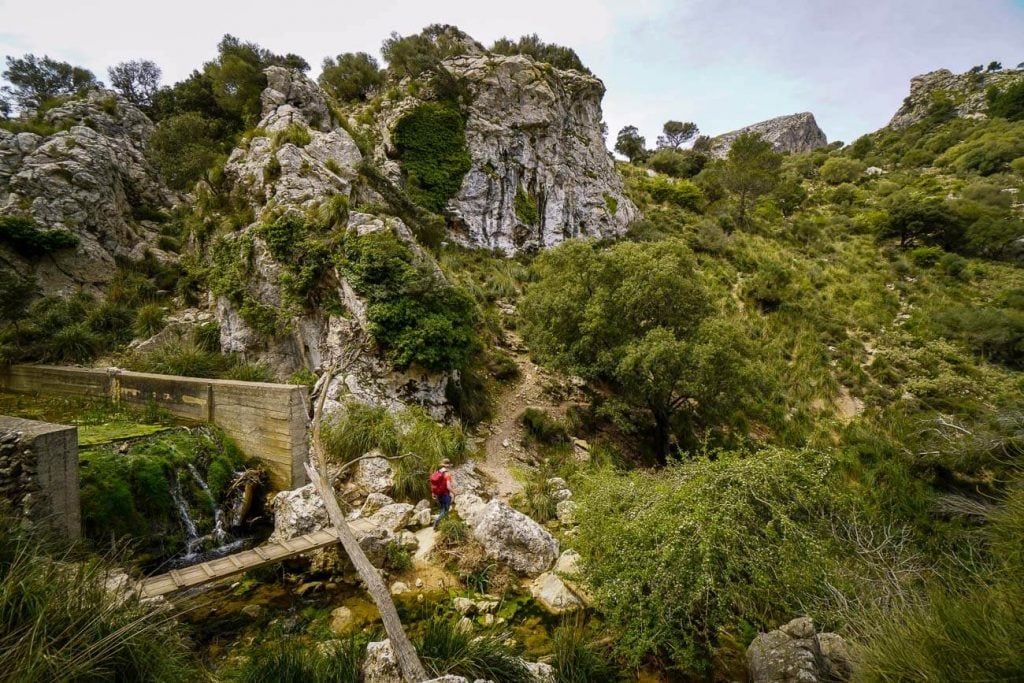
point(5, 106)
point(36, 80)
point(977, 69)
point(751, 170)
point(995, 66)
point(558, 56)
point(184, 146)
point(914, 219)
point(631, 144)
point(675, 134)
point(702, 144)
point(412, 55)
point(136, 80)
point(637, 318)
point(351, 76)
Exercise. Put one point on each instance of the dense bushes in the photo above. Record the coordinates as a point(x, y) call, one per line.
point(415, 317)
point(24, 237)
point(184, 147)
point(558, 56)
point(431, 144)
point(350, 76)
point(681, 560)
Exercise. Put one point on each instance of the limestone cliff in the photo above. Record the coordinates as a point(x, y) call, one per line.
point(795, 133)
point(540, 172)
point(966, 92)
point(91, 178)
point(297, 159)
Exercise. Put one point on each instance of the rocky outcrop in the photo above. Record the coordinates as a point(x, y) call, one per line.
point(535, 139)
point(93, 179)
point(795, 133)
point(967, 93)
point(316, 161)
point(795, 653)
point(508, 535)
point(297, 158)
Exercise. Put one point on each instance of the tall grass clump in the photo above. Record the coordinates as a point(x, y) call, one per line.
point(446, 649)
point(576, 659)
point(289, 661)
point(967, 628)
point(418, 443)
point(62, 623)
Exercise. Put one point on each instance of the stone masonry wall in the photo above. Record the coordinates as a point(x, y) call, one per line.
point(268, 421)
point(39, 473)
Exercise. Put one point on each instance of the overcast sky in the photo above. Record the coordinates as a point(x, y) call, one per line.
point(721, 63)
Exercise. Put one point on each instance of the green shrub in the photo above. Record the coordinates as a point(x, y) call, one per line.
point(526, 207)
point(76, 343)
point(149, 320)
point(839, 170)
point(677, 163)
point(396, 557)
point(680, 558)
point(351, 76)
point(249, 372)
point(22, 235)
point(182, 358)
point(184, 146)
point(62, 623)
point(1008, 103)
point(303, 377)
point(207, 337)
point(431, 144)
point(414, 317)
point(925, 257)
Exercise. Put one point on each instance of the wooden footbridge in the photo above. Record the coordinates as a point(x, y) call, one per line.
point(239, 563)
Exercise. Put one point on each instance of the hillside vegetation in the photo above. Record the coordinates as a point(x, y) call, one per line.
point(799, 375)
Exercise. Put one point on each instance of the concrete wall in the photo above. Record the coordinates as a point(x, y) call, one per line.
point(39, 473)
point(268, 421)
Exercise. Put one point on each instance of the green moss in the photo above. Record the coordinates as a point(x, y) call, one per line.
point(431, 144)
point(611, 203)
point(526, 207)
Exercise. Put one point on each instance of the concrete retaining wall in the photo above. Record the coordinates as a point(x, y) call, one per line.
point(39, 473)
point(268, 421)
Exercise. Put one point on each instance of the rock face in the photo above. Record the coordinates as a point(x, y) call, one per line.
point(967, 92)
point(794, 653)
point(795, 133)
point(298, 158)
point(533, 132)
point(93, 179)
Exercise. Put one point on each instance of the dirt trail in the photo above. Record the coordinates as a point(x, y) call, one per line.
point(503, 446)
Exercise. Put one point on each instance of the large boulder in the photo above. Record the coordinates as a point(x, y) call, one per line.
point(966, 93)
point(381, 664)
point(795, 653)
point(795, 133)
point(373, 475)
point(534, 135)
point(393, 518)
point(91, 178)
point(513, 538)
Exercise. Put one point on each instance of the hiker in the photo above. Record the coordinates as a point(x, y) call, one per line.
point(441, 489)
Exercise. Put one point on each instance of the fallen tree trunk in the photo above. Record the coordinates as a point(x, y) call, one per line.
point(405, 653)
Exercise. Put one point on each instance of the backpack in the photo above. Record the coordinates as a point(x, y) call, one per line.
point(438, 484)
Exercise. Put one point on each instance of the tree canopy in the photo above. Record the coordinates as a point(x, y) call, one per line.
point(558, 56)
point(639, 318)
point(675, 134)
point(630, 144)
point(36, 80)
point(351, 76)
point(136, 80)
point(751, 170)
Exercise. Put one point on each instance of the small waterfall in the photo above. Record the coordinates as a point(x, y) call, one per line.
point(219, 533)
point(191, 532)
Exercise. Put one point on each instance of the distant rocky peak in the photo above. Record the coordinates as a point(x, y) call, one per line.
point(794, 133)
point(966, 92)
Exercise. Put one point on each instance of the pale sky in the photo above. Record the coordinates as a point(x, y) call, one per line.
point(721, 63)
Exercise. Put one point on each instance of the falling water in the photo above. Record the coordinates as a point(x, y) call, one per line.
point(219, 533)
point(191, 532)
